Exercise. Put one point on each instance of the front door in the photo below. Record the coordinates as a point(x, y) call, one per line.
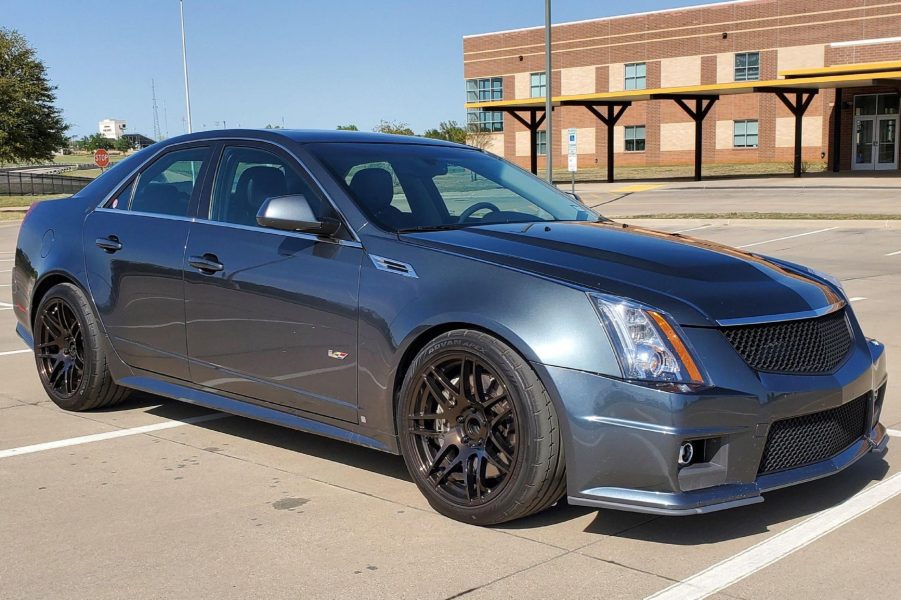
point(271, 315)
point(134, 252)
point(875, 132)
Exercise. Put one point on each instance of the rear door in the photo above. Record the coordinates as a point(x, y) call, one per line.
point(271, 315)
point(134, 251)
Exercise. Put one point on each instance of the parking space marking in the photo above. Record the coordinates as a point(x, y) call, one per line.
point(15, 352)
point(894, 253)
point(856, 298)
point(734, 569)
point(109, 435)
point(788, 237)
point(893, 432)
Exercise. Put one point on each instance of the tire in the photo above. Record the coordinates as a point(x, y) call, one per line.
point(478, 431)
point(69, 355)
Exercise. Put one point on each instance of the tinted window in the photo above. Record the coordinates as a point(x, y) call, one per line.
point(165, 187)
point(443, 186)
point(246, 177)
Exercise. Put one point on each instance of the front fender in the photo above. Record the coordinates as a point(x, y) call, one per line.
point(546, 321)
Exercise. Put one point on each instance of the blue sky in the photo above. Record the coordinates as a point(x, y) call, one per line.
point(253, 62)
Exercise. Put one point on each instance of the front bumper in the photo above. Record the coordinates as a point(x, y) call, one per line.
point(622, 440)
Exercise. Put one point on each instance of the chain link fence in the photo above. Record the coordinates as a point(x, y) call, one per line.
point(17, 183)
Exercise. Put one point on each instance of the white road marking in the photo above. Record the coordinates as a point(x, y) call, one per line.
point(7, 259)
point(894, 253)
point(788, 237)
point(693, 228)
point(857, 298)
point(6, 304)
point(6, 271)
point(893, 432)
point(109, 435)
point(16, 352)
point(767, 552)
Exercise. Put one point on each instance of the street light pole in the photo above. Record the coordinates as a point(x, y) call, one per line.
point(548, 113)
point(184, 60)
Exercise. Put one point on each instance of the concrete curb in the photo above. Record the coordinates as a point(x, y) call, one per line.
point(797, 223)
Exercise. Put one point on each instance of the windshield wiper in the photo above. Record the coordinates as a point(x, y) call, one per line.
point(440, 227)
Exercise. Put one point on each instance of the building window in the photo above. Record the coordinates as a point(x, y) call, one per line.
point(486, 120)
point(634, 138)
point(485, 90)
point(537, 85)
point(747, 66)
point(744, 134)
point(636, 76)
point(541, 143)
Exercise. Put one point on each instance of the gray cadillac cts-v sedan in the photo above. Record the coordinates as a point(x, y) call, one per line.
point(429, 299)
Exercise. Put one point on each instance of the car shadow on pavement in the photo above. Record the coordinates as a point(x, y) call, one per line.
point(779, 506)
point(292, 440)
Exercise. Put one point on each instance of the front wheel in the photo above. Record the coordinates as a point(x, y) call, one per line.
point(478, 431)
point(70, 357)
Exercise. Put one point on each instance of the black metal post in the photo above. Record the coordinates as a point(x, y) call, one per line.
point(837, 132)
point(697, 114)
point(614, 112)
point(803, 99)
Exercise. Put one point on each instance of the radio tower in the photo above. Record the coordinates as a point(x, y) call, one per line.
point(157, 134)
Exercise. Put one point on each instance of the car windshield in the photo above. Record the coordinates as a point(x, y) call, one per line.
point(412, 187)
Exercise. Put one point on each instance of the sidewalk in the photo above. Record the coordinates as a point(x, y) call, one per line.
point(813, 195)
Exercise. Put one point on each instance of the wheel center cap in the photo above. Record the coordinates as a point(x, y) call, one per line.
point(474, 425)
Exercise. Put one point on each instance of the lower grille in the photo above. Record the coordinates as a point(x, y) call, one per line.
point(807, 439)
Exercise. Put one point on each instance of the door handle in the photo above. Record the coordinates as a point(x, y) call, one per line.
point(109, 244)
point(208, 263)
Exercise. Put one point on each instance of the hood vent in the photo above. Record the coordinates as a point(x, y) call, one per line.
point(392, 266)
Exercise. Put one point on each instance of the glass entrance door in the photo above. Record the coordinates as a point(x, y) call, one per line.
point(875, 132)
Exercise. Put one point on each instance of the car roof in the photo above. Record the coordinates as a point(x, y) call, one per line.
point(309, 136)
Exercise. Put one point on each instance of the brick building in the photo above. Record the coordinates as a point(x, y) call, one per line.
point(706, 48)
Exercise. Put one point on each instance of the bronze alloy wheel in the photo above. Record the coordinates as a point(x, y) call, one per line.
point(464, 428)
point(60, 349)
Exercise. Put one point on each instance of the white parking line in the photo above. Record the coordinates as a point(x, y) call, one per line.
point(99, 437)
point(857, 298)
point(15, 352)
point(693, 228)
point(788, 237)
point(759, 556)
point(893, 432)
point(894, 253)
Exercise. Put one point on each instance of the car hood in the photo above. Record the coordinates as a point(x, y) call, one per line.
point(698, 282)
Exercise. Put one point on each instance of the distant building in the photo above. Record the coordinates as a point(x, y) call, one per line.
point(138, 141)
point(112, 128)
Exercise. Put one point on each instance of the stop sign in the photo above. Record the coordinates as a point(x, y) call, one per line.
point(101, 158)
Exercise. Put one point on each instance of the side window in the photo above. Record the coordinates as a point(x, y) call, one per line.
point(165, 187)
point(246, 177)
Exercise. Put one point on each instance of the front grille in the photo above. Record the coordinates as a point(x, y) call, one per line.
point(807, 439)
point(805, 346)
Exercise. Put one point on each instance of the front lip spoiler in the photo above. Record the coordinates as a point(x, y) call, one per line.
point(723, 497)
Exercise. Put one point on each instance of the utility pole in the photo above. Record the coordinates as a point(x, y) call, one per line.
point(184, 60)
point(548, 112)
point(157, 134)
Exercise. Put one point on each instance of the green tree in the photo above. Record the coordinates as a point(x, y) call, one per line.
point(96, 142)
point(395, 127)
point(123, 144)
point(447, 130)
point(31, 127)
point(271, 126)
point(350, 127)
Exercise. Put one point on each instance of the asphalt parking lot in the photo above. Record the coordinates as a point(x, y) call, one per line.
point(166, 500)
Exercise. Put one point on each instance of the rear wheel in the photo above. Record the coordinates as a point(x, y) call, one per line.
point(478, 430)
point(70, 359)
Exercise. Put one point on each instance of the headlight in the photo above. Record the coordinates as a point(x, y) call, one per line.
point(648, 343)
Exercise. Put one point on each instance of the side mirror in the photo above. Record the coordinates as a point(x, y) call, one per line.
point(293, 213)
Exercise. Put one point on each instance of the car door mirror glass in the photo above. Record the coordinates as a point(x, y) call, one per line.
point(293, 213)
